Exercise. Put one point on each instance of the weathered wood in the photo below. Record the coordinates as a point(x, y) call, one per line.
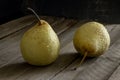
point(9, 48)
point(65, 25)
point(13, 67)
point(96, 68)
point(110, 27)
point(114, 33)
point(18, 24)
point(116, 74)
point(15, 25)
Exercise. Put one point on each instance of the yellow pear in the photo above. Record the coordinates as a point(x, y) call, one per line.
point(40, 44)
point(91, 39)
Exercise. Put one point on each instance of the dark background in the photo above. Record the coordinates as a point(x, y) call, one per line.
point(107, 11)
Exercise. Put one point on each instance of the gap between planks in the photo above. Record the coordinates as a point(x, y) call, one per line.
point(18, 24)
point(116, 74)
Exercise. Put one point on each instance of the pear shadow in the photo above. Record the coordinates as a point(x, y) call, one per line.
point(23, 69)
point(17, 69)
point(88, 60)
point(75, 59)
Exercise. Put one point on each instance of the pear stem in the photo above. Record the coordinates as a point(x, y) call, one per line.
point(83, 59)
point(35, 14)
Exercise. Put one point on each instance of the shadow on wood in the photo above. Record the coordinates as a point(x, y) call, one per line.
point(23, 69)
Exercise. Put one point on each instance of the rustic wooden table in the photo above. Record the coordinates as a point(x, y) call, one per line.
point(13, 67)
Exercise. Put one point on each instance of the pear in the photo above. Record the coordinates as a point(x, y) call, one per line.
point(40, 44)
point(91, 39)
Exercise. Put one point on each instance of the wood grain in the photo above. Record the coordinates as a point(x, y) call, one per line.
point(15, 25)
point(116, 74)
point(13, 67)
point(21, 23)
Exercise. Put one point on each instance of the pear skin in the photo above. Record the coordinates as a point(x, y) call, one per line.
point(40, 45)
point(93, 38)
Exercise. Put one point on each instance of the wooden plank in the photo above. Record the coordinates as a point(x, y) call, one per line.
point(18, 24)
point(9, 47)
point(116, 74)
point(64, 25)
point(15, 25)
point(12, 65)
point(110, 27)
point(114, 33)
point(96, 68)
point(112, 30)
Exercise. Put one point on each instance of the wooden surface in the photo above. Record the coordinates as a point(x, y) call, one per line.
point(13, 66)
